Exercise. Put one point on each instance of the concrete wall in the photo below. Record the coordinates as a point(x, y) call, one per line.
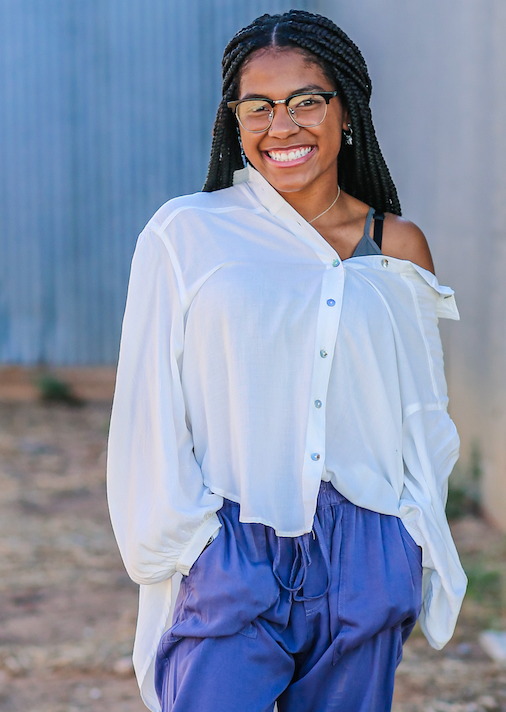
point(439, 102)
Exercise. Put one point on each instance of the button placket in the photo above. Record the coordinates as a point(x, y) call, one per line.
point(328, 315)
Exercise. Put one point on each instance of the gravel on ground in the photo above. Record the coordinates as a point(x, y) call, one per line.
point(67, 607)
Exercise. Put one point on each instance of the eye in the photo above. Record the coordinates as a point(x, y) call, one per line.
point(260, 109)
point(253, 107)
point(307, 102)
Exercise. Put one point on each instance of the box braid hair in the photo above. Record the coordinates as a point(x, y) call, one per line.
point(363, 172)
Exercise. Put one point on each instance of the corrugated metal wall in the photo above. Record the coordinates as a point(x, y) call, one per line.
point(89, 150)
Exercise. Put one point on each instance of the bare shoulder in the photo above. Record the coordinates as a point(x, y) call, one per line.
point(404, 240)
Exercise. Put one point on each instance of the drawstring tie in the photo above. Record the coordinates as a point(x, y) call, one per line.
point(301, 562)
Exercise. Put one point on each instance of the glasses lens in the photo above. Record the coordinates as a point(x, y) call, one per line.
point(254, 114)
point(308, 109)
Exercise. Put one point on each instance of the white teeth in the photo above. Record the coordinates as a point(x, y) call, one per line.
point(290, 155)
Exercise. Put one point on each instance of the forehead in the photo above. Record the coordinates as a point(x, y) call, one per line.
point(276, 73)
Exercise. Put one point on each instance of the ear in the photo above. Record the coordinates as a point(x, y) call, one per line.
point(346, 120)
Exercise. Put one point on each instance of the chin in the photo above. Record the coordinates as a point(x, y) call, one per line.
point(286, 183)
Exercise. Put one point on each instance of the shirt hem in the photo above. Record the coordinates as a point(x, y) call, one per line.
point(258, 520)
point(206, 530)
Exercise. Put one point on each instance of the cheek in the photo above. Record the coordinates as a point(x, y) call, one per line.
point(329, 150)
point(334, 119)
point(250, 146)
point(249, 141)
point(333, 138)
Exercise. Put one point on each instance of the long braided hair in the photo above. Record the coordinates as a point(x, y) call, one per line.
point(363, 172)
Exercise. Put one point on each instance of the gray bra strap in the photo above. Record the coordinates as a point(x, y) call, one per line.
point(368, 221)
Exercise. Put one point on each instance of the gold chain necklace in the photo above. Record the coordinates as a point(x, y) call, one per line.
point(330, 206)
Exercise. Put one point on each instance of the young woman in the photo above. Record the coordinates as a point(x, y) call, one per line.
point(279, 432)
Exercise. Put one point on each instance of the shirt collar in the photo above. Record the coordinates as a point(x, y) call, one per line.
point(276, 205)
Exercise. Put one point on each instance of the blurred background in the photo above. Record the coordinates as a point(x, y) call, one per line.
point(90, 148)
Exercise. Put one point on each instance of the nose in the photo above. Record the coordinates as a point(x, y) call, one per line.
point(282, 125)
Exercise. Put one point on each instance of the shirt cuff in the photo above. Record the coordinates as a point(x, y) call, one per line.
point(207, 530)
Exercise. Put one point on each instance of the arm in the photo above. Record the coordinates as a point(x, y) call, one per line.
point(162, 514)
point(430, 450)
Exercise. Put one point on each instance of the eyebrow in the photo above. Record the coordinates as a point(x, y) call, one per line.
point(302, 90)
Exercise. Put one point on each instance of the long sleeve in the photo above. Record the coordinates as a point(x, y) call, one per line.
point(162, 513)
point(430, 450)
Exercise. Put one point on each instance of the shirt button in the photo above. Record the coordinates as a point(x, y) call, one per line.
point(384, 263)
point(317, 404)
point(315, 456)
point(331, 302)
point(335, 263)
point(323, 353)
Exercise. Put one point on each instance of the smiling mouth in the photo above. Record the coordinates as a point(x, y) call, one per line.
point(289, 154)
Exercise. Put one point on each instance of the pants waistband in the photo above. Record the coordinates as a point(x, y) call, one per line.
point(328, 495)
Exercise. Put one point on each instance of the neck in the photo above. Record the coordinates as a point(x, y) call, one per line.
point(314, 199)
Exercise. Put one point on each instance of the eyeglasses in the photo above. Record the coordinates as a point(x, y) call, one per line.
point(305, 110)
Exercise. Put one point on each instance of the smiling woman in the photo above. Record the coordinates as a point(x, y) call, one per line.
point(312, 174)
point(279, 433)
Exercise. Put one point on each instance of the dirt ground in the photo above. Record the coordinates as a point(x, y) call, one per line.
point(67, 608)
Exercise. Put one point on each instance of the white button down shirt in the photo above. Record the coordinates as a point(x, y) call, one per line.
point(254, 363)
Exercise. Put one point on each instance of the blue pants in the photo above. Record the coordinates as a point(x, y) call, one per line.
point(315, 622)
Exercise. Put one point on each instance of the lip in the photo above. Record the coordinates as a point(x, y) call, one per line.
point(289, 164)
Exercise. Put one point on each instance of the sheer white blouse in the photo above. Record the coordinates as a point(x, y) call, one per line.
point(254, 363)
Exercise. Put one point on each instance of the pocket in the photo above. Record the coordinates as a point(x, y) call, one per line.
point(379, 577)
point(414, 557)
point(409, 541)
point(230, 583)
point(204, 550)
